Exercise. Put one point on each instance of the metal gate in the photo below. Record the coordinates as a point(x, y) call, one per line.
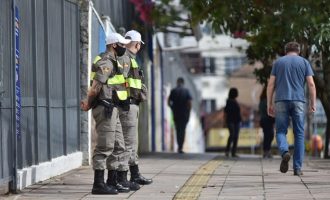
point(6, 92)
point(49, 118)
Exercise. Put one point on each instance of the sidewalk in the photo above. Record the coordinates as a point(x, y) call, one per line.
point(198, 176)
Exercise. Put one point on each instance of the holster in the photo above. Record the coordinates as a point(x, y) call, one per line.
point(108, 107)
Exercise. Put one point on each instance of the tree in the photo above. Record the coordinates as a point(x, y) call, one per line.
point(268, 25)
point(170, 17)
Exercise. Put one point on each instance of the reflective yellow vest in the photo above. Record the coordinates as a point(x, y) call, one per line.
point(134, 82)
point(116, 80)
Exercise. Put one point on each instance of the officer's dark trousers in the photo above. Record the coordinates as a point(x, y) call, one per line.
point(233, 137)
point(180, 127)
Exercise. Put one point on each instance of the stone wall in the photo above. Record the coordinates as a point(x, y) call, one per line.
point(84, 48)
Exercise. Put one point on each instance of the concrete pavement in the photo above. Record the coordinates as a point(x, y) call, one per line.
point(198, 176)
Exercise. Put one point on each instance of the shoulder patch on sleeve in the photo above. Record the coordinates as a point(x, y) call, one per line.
point(105, 66)
point(105, 70)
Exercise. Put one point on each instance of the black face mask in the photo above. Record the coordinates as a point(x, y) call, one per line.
point(120, 50)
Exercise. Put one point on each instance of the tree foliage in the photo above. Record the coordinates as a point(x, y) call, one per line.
point(170, 17)
point(267, 25)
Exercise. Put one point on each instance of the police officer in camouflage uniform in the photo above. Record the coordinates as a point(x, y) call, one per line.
point(129, 119)
point(107, 91)
point(119, 155)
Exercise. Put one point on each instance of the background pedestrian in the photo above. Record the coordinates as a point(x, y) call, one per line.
point(267, 125)
point(233, 120)
point(180, 103)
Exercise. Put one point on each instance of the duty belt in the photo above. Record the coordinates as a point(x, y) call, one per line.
point(106, 102)
point(108, 107)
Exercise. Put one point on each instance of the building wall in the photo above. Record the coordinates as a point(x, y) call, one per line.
point(210, 62)
point(121, 12)
point(212, 87)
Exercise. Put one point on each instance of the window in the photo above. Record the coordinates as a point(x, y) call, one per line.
point(209, 65)
point(208, 105)
point(233, 63)
point(193, 62)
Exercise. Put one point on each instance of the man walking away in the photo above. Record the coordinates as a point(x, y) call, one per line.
point(180, 103)
point(287, 80)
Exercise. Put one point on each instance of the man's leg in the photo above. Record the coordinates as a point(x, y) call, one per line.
point(105, 128)
point(265, 141)
point(183, 135)
point(268, 130)
point(282, 123)
point(235, 139)
point(116, 158)
point(125, 156)
point(129, 121)
point(298, 118)
point(230, 137)
point(179, 126)
point(184, 132)
point(269, 136)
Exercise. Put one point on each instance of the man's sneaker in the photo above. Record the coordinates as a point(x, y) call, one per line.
point(285, 162)
point(297, 172)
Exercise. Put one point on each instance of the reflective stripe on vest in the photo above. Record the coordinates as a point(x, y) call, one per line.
point(134, 63)
point(134, 83)
point(97, 58)
point(122, 95)
point(118, 81)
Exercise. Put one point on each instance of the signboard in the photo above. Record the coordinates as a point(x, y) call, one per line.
point(17, 79)
point(248, 137)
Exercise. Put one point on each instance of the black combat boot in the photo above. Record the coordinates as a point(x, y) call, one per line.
point(137, 177)
point(112, 180)
point(99, 187)
point(122, 179)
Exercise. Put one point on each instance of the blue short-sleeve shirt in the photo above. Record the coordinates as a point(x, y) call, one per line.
point(290, 73)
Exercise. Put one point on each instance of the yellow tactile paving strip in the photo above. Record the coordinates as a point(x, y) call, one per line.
point(194, 185)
